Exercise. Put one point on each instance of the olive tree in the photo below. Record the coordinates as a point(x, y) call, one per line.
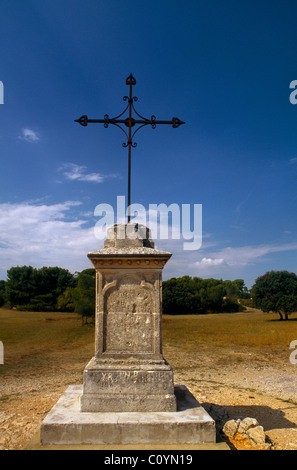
point(276, 291)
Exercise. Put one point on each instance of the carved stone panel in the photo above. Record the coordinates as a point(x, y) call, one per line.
point(128, 316)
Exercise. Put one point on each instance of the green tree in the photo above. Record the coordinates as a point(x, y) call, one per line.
point(65, 301)
point(276, 291)
point(84, 294)
point(195, 295)
point(20, 285)
point(29, 288)
point(2, 293)
point(243, 292)
point(180, 296)
point(232, 290)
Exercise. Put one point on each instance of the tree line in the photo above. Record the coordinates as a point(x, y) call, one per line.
point(56, 289)
point(196, 295)
point(274, 291)
point(49, 289)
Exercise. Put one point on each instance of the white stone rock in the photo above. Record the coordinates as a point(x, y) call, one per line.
point(230, 428)
point(246, 424)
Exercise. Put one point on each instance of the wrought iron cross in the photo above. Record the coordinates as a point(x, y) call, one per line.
point(129, 122)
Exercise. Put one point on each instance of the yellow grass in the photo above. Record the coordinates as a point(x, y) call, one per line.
point(250, 328)
point(32, 339)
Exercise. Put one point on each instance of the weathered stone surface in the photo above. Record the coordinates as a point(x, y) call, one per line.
point(247, 423)
point(128, 396)
point(128, 371)
point(122, 387)
point(231, 427)
point(66, 424)
point(132, 241)
point(128, 235)
point(246, 433)
point(257, 436)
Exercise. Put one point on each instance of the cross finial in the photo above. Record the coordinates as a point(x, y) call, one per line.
point(130, 80)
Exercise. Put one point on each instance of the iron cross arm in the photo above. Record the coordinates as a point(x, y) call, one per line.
point(129, 122)
point(84, 121)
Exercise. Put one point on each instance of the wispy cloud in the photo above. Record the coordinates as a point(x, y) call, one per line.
point(210, 262)
point(244, 200)
point(29, 135)
point(292, 161)
point(243, 255)
point(44, 235)
point(75, 172)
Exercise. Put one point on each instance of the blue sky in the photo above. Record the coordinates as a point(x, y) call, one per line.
point(223, 67)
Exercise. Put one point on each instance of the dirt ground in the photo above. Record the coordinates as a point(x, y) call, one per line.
point(249, 386)
point(267, 392)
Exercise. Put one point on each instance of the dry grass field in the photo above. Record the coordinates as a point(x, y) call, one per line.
point(237, 365)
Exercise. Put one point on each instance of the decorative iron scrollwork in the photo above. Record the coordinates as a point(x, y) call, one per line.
point(130, 123)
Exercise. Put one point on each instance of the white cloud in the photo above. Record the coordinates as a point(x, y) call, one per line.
point(29, 135)
point(210, 262)
point(44, 235)
point(292, 161)
point(243, 255)
point(78, 172)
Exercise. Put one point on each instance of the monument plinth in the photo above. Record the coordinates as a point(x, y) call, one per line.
point(128, 395)
point(128, 371)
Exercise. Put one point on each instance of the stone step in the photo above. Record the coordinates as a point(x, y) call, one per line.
point(34, 444)
point(66, 424)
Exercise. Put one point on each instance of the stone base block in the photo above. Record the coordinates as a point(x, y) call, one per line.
point(66, 424)
point(121, 388)
point(133, 403)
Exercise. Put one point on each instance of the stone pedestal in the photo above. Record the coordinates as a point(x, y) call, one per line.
point(128, 371)
point(128, 396)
